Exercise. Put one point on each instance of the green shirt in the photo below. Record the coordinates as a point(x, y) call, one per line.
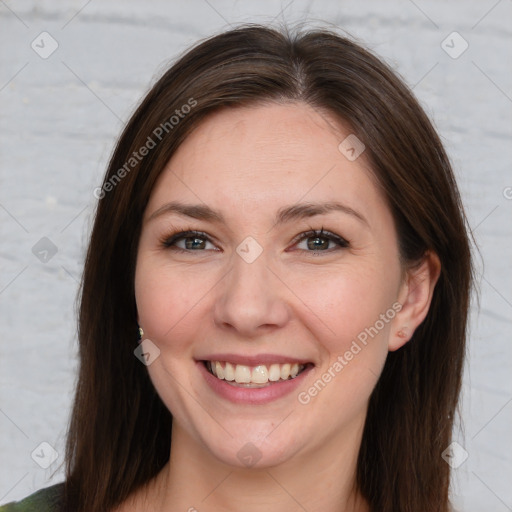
point(44, 500)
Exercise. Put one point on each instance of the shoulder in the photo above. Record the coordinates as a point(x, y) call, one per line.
point(44, 500)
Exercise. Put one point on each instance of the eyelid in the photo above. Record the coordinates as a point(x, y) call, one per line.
point(169, 240)
point(342, 242)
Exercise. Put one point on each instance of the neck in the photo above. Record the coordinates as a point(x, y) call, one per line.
point(193, 480)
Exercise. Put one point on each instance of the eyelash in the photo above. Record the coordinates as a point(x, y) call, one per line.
point(170, 240)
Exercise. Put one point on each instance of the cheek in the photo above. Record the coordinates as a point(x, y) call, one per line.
point(354, 311)
point(166, 300)
point(349, 300)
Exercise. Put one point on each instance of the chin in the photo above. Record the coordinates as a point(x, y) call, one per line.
point(252, 452)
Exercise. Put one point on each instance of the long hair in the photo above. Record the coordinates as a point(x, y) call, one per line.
point(119, 431)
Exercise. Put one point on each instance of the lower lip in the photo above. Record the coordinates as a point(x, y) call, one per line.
point(242, 395)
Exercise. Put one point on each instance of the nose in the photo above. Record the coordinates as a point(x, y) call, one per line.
point(251, 299)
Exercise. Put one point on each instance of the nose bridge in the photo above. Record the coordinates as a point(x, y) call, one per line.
point(249, 269)
point(249, 263)
point(251, 295)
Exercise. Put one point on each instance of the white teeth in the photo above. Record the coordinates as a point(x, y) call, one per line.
point(274, 373)
point(242, 374)
point(229, 372)
point(260, 374)
point(219, 371)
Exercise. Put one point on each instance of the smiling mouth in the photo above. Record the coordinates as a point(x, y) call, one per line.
point(254, 376)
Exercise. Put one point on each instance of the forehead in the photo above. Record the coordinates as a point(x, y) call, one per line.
point(259, 158)
point(263, 139)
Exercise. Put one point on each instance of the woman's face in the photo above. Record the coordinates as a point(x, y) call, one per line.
point(256, 293)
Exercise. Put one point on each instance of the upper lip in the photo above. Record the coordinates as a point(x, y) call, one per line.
point(253, 360)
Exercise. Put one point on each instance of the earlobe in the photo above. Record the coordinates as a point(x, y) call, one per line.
point(415, 296)
point(402, 333)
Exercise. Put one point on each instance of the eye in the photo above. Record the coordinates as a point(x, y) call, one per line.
point(315, 241)
point(189, 240)
point(320, 241)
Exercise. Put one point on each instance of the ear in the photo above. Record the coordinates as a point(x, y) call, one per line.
point(415, 296)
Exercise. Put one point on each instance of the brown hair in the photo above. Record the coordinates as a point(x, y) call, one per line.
point(119, 433)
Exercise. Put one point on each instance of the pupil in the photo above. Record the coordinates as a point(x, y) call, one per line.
point(189, 243)
point(315, 245)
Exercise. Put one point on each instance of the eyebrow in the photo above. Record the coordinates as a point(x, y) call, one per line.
point(284, 215)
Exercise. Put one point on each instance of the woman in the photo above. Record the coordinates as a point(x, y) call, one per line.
point(281, 225)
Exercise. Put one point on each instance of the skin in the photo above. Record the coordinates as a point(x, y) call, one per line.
point(294, 301)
